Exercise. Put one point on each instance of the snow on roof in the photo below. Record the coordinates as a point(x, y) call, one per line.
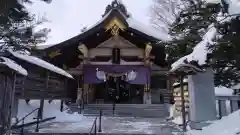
point(213, 1)
point(148, 30)
point(14, 66)
point(223, 91)
point(228, 125)
point(40, 62)
point(41, 47)
point(200, 51)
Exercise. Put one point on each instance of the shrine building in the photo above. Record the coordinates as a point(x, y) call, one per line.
point(117, 60)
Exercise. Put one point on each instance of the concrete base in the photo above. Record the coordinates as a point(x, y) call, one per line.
point(202, 96)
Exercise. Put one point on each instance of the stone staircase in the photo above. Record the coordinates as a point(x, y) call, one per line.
point(109, 126)
point(90, 134)
point(125, 110)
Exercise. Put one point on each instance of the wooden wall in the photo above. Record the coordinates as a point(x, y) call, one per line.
point(7, 78)
point(41, 85)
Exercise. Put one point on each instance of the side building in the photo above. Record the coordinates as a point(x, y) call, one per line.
point(116, 60)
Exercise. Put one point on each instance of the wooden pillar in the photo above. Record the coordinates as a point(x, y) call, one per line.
point(7, 89)
point(147, 94)
point(87, 91)
point(234, 105)
point(222, 108)
point(183, 105)
point(41, 109)
point(106, 88)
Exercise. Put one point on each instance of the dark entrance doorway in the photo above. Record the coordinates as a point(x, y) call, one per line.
point(116, 90)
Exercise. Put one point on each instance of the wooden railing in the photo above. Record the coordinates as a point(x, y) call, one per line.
point(227, 105)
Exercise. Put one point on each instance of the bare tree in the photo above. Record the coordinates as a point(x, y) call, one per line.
point(164, 12)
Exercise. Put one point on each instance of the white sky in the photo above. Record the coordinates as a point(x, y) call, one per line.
point(68, 17)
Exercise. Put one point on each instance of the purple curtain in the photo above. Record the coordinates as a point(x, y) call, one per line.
point(143, 73)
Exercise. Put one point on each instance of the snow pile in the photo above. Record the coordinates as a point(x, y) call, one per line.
point(50, 110)
point(64, 122)
point(40, 62)
point(223, 91)
point(200, 51)
point(228, 125)
point(13, 65)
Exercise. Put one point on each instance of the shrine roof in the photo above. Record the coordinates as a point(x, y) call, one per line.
point(114, 10)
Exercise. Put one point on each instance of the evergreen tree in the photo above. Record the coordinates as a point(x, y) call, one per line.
point(226, 53)
point(17, 25)
point(189, 27)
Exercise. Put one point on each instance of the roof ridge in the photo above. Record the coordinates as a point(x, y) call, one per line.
point(116, 5)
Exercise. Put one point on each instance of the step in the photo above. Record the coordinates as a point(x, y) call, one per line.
point(88, 134)
point(128, 113)
point(110, 126)
point(128, 110)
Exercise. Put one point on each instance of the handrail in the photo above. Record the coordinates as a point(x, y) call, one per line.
point(94, 126)
point(38, 116)
point(26, 116)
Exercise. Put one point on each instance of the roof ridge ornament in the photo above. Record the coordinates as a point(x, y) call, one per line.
point(116, 4)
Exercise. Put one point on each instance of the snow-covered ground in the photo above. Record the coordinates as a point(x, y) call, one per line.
point(50, 110)
point(229, 125)
point(77, 123)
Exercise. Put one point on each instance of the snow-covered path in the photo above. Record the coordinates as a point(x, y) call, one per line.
point(77, 123)
point(111, 125)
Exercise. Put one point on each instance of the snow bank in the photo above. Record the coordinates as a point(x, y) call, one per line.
point(40, 62)
point(228, 125)
point(13, 65)
point(64, 122)
point(50, 110)
point(200, 51)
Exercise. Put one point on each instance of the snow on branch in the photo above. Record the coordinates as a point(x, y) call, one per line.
point(200, 51)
